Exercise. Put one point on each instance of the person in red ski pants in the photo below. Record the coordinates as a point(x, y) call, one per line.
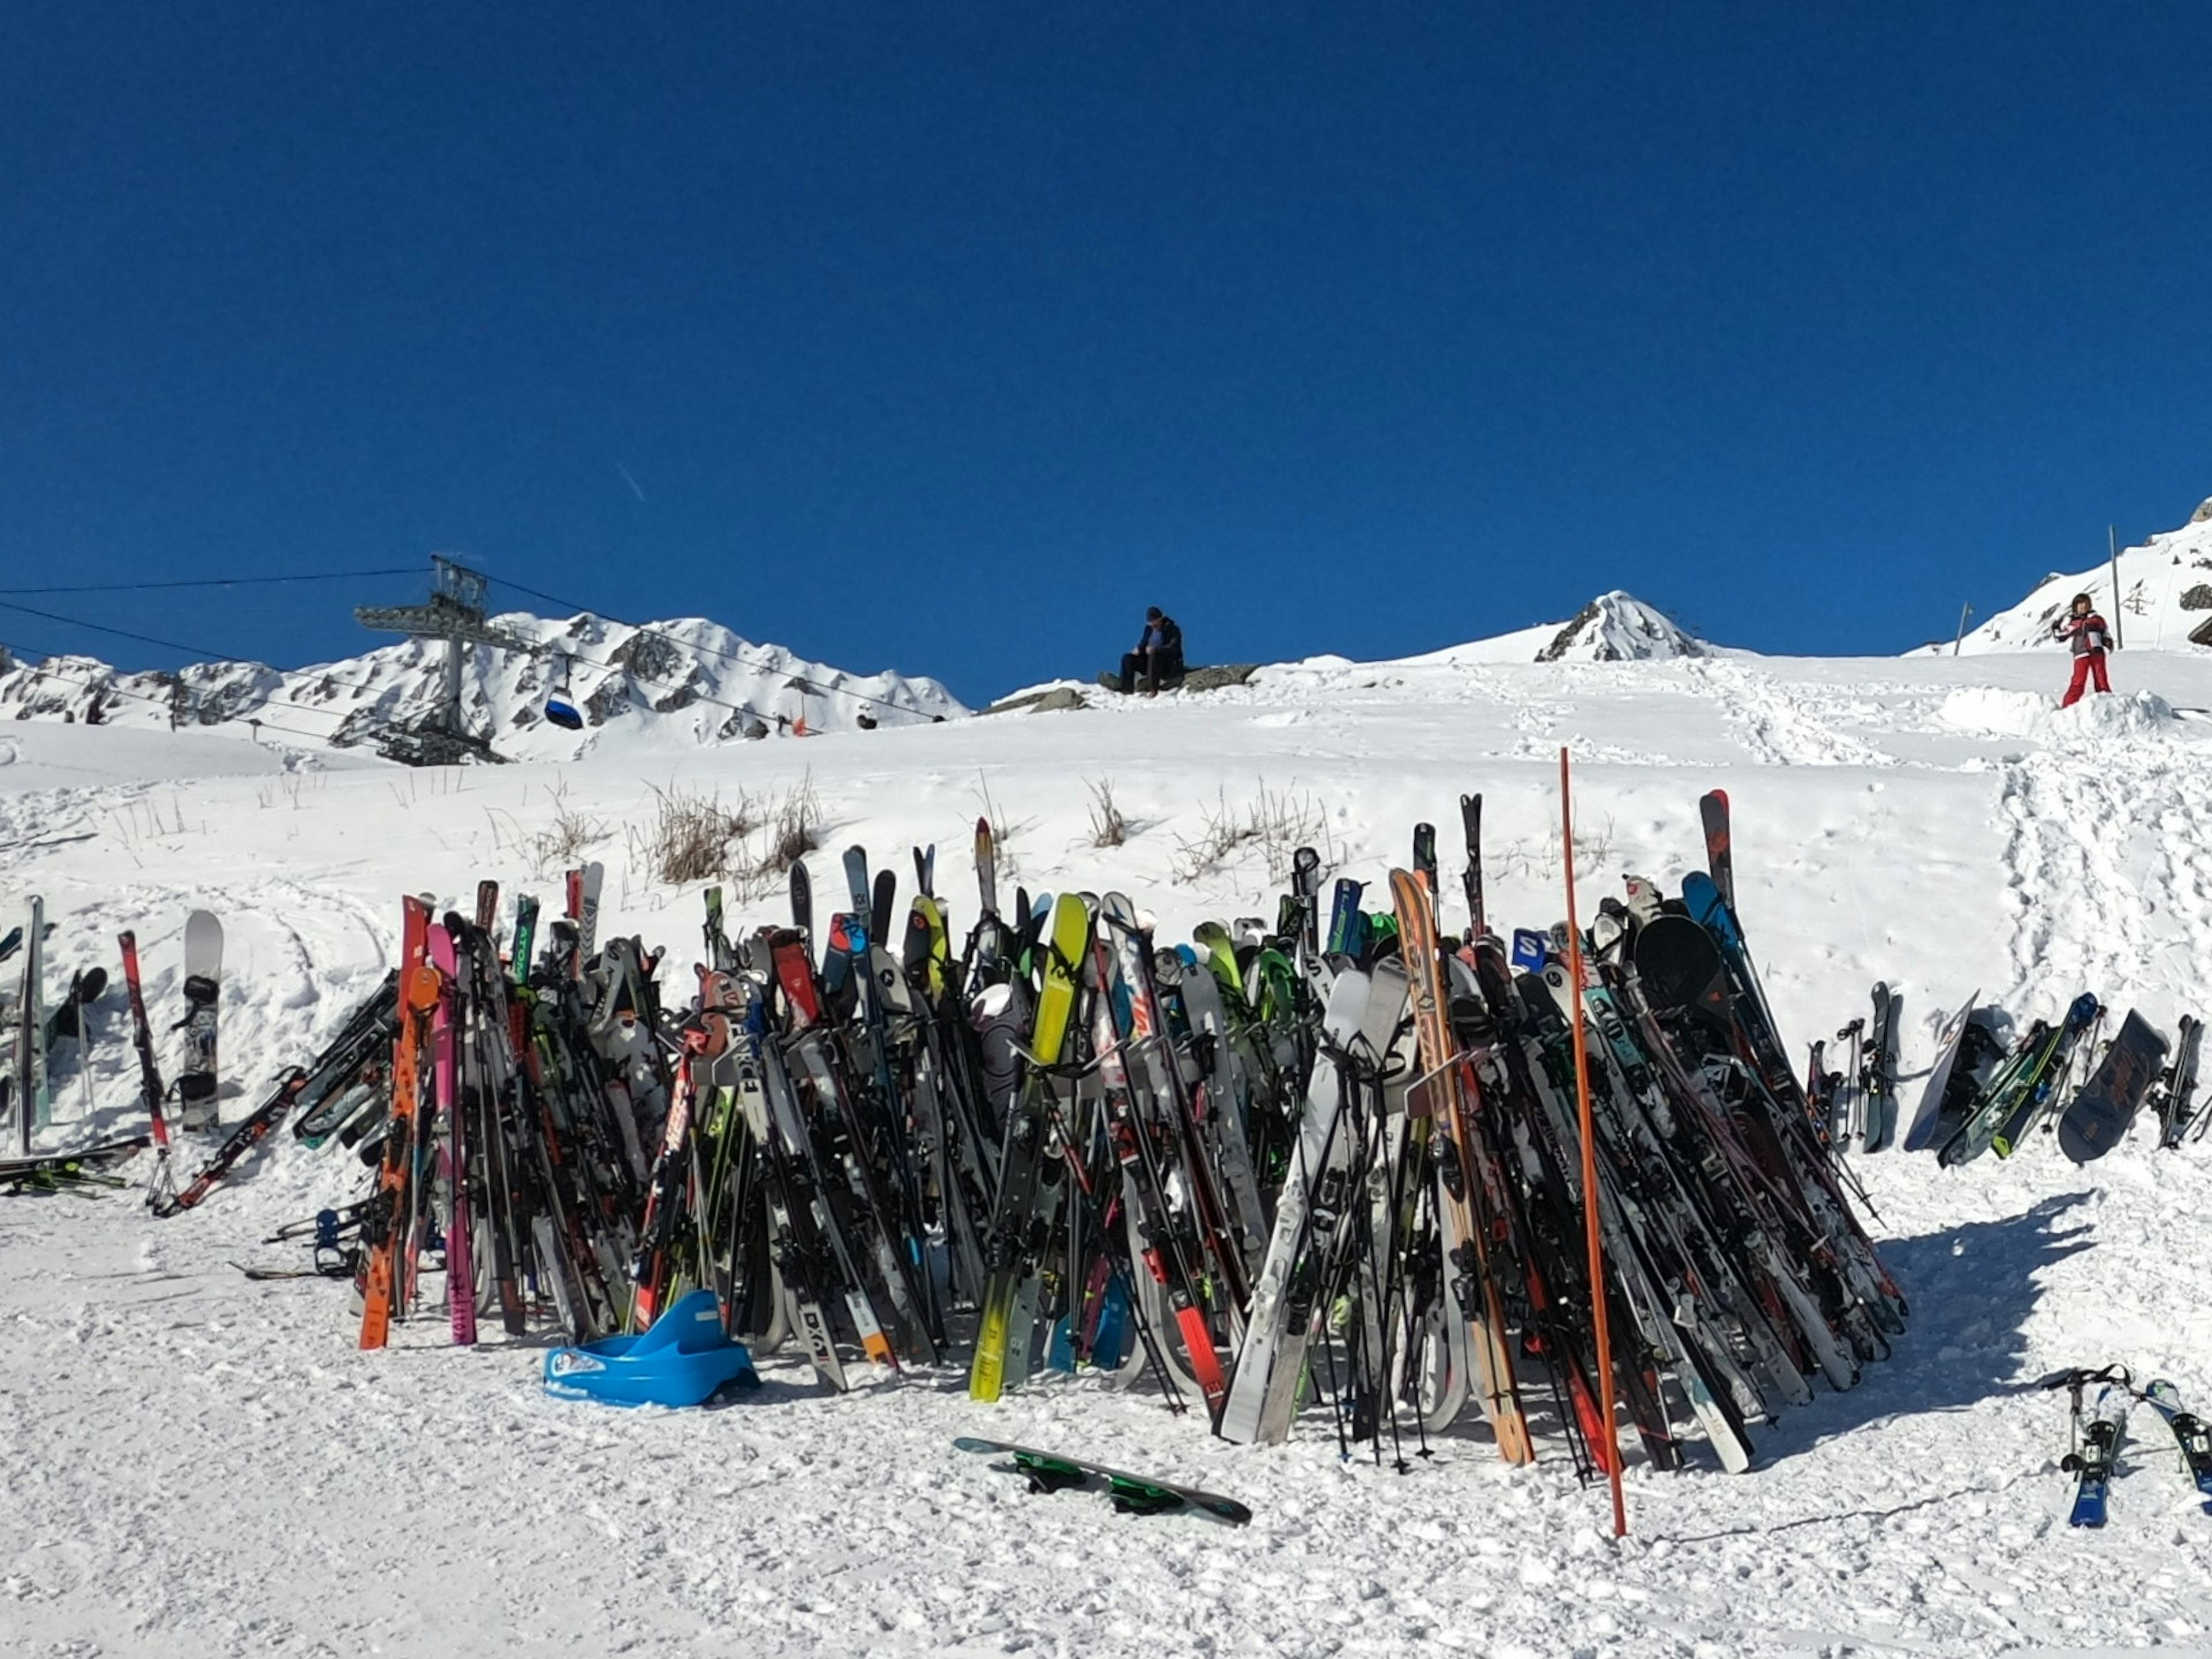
point(2084, 630)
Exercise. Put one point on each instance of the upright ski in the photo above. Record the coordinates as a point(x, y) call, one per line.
point(150, 1087)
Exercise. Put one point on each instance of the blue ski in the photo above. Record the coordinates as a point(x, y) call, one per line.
point(2093, 1461)
point(1344, 929)
point(2190, 1432)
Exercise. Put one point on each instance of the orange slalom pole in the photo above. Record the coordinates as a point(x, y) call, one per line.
point(1610, 1452)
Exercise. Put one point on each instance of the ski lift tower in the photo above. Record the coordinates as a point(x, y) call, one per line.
point(455, 614)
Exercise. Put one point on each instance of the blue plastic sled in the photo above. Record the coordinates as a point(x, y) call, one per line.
point(685, 1359)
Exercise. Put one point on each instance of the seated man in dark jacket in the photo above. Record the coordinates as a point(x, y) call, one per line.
point(1158, 655)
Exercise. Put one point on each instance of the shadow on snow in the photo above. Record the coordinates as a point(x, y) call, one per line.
point(1972, 1289)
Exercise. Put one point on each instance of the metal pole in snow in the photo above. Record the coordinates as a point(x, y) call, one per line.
point(2112, 547)
point(1957, 639)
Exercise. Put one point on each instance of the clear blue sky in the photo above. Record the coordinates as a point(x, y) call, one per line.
point(947, 338)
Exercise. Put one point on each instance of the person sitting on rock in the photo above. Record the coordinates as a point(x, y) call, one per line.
point(1158, 655)
point(2085, 630)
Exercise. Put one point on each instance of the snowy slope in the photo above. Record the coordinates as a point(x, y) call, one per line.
point(194, 1464)
point(2165, 594)
point(1613, 627)
point(681, 685)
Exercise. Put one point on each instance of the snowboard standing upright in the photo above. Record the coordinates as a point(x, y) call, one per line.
point(196, 1083)
point(2107, 1104)
point(1920, 1134)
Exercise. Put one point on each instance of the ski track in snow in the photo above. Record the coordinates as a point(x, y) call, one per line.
point(1781, 725)
point(192, 1463)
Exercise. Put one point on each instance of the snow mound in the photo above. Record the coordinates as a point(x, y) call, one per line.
point(688, 683)
point(1987, 708)
point(2123, 713)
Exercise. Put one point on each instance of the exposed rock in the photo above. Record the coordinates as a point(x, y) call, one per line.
point(1195, 679)
point(2198, 598)
point(610, 699)
point(1050, 701)
point(2203, 511)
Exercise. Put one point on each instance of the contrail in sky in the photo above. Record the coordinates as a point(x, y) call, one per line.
point(627, 479)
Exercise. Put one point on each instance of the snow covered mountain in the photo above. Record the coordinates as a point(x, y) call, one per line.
point(2165, 598)
point(1614, 627)
point(686, 684)
point(1617, 627)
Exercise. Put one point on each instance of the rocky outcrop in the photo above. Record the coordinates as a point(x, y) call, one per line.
point(1052, 700)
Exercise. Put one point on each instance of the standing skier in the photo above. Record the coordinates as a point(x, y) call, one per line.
point(1158, 655)
point(2089, 639)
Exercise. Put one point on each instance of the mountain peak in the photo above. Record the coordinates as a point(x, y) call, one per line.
point(1619, 627)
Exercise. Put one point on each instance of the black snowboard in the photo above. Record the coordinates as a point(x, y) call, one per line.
point(1679, 968)
point(2099, 1117)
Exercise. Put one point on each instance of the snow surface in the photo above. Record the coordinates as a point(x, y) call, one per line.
point(192, 1464)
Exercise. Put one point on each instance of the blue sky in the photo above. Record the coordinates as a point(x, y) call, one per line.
point(947, 337)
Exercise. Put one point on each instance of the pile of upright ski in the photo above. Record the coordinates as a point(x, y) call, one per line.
point(1286, 1168)
point(506, 1129)
point(1426, 1249)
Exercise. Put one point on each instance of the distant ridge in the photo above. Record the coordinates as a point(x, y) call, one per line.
point(683, 684)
